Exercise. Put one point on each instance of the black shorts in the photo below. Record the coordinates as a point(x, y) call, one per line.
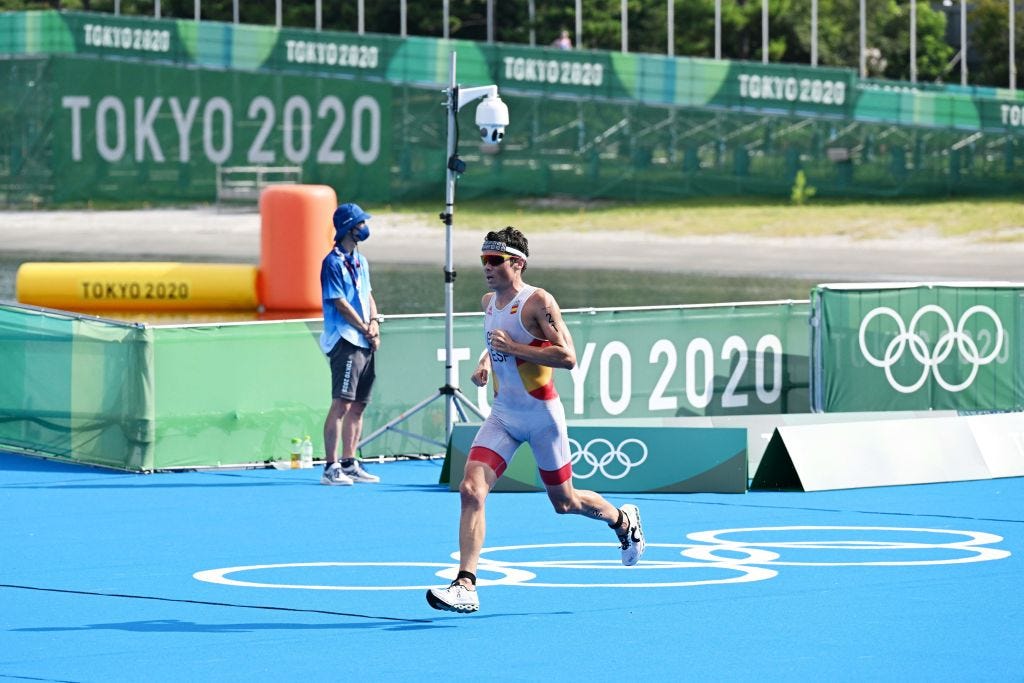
point(352, 372)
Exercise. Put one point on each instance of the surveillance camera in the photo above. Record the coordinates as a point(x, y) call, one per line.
point(492, 134)
point(492, 117)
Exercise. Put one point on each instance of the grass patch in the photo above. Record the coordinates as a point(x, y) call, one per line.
point(992, 219)
point(995, 219)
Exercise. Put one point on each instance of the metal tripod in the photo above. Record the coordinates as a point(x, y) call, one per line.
point(454, 400)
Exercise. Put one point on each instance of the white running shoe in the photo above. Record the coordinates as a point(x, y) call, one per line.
point(333, 476)
point(357, 474)
point(454, 598)
point(633, 543)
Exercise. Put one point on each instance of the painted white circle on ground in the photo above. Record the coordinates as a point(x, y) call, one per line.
point(712, 552)
point(221, 575)
point(974, 542)
point(745, 573)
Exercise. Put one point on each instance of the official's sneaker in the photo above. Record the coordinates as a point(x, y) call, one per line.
point(357, 474)
point(333, 476)
point(454, 598)
point(633, 543)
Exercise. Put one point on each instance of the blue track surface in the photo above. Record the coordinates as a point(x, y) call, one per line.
point(97, 572)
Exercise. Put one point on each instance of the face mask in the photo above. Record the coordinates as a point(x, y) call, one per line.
point(361, 233)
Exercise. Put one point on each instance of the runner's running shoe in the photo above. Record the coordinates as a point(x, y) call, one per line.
point(454, 598)
point(357, 474)
point(633, 543)
point(333, 476)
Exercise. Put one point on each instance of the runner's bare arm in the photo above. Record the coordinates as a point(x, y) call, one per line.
point(483, 369)
point(483, 366)
point(543, 319)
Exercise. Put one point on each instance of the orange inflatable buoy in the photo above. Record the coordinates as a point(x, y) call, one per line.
point(296, 233)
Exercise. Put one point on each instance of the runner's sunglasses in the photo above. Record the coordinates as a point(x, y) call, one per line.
point(494, 259)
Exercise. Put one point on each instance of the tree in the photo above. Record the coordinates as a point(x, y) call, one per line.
point(789, 25)
point(894, 41)
point(989, 41)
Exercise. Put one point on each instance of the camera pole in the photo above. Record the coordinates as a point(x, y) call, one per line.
point(454, 399)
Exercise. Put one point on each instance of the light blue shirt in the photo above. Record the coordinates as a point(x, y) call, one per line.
point(344, 276)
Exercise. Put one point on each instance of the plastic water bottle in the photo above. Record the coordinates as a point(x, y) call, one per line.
point(296, 453)
point(306, 459)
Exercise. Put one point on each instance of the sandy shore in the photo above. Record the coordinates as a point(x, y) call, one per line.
point(206, 234)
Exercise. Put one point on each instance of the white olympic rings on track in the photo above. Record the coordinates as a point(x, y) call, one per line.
point(976, 543)
point(620, 454)
point(748, 560)
point(221, 575)
point(931, 358)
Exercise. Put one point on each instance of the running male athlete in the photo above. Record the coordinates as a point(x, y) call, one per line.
point(526, 339)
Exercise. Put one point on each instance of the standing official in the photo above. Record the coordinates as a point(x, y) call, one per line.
point(351, 336)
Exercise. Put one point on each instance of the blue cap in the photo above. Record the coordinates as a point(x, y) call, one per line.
point(348, 216)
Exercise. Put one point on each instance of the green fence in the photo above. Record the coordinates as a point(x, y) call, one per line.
point(144, 398)
point(648, 79)
point(76, 388)
point(918, 347)
point(134, 131)
point(623, 459)
point(171, 100)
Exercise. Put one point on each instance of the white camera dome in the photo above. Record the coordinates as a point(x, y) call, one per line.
point(491, 118)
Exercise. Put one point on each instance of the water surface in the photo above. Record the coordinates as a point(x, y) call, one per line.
point(420, 289)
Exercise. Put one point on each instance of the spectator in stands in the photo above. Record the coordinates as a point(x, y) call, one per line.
point(563, 41)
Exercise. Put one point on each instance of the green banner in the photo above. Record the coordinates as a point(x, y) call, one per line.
point(559, 72)
point(126, 130)
point(76, 388)
point(124, 37)
point(787, 89)
point(230, 394)
point(331, 53)
point(720, 360)
point(933, 104)
point(29, 33)
point(111, 108)
point(236, 394)
point(717, 360)
point(917, 347)
point(660, 362)
point(631, 459)
point(1005, 113)
point(612, 76)
point(926, 109)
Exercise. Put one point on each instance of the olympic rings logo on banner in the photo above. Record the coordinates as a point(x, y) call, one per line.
point(622, 455)
point(930, 358)
point(713, 557)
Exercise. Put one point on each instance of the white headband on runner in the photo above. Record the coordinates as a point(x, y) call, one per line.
point(494, 245)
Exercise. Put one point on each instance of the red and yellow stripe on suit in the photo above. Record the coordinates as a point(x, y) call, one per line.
point(526, 407)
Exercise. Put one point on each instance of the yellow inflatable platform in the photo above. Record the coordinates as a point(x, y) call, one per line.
point(139, 286)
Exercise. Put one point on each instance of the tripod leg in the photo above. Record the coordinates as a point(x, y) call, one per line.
point(459, 412)
point(402, 418)
point(461, 399)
